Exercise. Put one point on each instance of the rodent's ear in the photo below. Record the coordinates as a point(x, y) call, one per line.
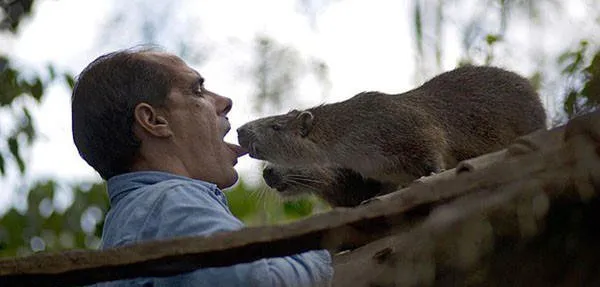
point(306, 122)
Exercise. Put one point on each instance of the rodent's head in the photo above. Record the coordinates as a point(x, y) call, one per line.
point(349, 134)
point(281, 139)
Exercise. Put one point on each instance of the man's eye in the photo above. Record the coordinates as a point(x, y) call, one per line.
point(199, 92)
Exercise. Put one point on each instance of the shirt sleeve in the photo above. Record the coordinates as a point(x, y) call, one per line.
point(189, 210)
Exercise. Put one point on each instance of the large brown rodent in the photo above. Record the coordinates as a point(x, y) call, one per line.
point(395, 139)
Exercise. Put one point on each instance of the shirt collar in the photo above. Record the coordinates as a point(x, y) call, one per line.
point(119, 185)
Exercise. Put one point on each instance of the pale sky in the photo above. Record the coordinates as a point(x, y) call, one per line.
point(366, 44)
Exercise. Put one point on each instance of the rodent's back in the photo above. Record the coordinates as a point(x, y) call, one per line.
point(481, 109)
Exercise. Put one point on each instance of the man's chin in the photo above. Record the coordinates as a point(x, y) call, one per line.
point(229, 181)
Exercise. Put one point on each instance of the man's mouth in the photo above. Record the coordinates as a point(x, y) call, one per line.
point(238, 150)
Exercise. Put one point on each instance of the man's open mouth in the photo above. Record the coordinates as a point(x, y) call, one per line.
point(238, 150)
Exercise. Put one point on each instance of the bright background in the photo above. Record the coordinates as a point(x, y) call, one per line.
point(325, 51)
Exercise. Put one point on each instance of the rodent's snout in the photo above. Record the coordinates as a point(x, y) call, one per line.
point(244, 136)
point(273, 179)
point(247, 139)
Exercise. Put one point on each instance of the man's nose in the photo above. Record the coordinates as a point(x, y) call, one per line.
point(223, 104)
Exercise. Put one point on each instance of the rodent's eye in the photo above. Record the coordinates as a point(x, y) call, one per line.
point(276, 127)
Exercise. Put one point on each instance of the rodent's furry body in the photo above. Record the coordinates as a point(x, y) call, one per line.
point(395, 139)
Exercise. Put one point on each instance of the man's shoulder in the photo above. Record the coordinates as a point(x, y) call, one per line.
point(170, 193)
point(161, 209)
point(177, 190)
point(179, 184)
point(156, 181)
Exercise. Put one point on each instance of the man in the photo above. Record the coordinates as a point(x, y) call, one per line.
point(146, 123)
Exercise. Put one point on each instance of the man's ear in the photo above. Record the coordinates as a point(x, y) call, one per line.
point(306, 122)
point(150, 121)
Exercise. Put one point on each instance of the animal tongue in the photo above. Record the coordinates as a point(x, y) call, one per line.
point(239, 151)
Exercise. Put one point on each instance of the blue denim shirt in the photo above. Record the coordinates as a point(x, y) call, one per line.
point(158, 205)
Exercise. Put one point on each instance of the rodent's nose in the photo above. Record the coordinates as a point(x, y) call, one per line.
point(244, 136)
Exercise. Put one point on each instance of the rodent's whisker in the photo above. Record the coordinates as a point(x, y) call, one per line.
point(307, 186)
point(306, 179)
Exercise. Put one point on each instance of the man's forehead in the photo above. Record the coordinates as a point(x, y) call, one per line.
point(173, 62)
point(163, 57)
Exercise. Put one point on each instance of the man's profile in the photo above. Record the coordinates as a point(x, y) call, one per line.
point(144, 120)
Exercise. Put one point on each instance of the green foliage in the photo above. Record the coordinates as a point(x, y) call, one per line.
point(2, 168)
point(13, 84)
point(298, 208)
point(41, 226)
point(44, 227)
point(583, 80)
point(12, 12)
point(418, 27)
point(262, 206)
point(13, 146)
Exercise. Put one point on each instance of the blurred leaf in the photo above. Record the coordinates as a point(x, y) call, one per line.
point(13, 12)
point(570, 102)
point(13, 146)
point(37, 89)
point(2, 171)
point(54, 222)
point(11, 232)
point(418, 24)
point(51, 72)
point(8, 85)
point(574, 60)
point(591, 89)
point(70, 80)
point(298, 208)
point(536, 80)
point(27, 126)
point(583, 82)
point(39, 192)
point(97, 195)
point(240, 200)
point(492, 39)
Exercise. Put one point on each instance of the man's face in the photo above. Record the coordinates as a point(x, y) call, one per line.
point(198, 120)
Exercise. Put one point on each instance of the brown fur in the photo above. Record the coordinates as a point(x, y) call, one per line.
point(337, 186)
point(397, 138)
